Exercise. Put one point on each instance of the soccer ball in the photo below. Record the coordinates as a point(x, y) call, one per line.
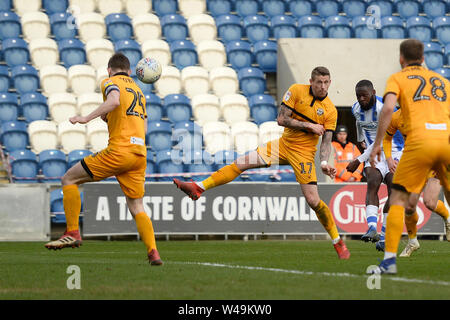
point(148, 70)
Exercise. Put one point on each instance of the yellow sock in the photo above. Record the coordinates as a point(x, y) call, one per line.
point(72, 206)
point(441, 210)
point(222, 176)
point(326, 219)
point(411, 224)
point(394, 228)
point(145, 229)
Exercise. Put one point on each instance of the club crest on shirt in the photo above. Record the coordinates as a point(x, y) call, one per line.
point(320, 111)
point(287, 95)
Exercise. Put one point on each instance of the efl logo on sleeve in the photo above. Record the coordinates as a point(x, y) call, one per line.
point(287, 95)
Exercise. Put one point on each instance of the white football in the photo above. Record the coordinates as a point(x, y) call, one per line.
point(148, 70)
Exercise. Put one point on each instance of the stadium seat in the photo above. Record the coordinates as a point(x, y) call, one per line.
point(88, 102)
point(14, 135)
point(195, 80)
point(447, 52)
point(24, 166)
point(354, 8)
point(158, 49)
point(146, 27)
point(266, 55)
point(441, 26)
point(257, 28)
point(361, 29)
point(4, 79)
point(72, 137)
point(15, 51)
point(300, 8)
point(198, 161)
point(169, 82)
point(71, 52)
point(10, 26)
point(434, 8)
point(53, 79)
point(392, 28)
point(101, 74)
point(153, 107)
point(263, 108)
point(35, 25)
point(202, 27)
point(174, 27)
point(134, 8)
point(234, 108)
point(246, 7)
point(310, 27)
point(118, 26)
point(62, 106)
point(97, 135)
point(131, 49)
point(443, 71)
point(24, 6)
point(224, 157)
point(82, 79)
point(57, 206)
point(169, 161)
point(219, 7)
point(151, 166)
point(245, 136)
point(33, 106)
point(385, 7)
point(251, 81)
point(223, 81)
point(229, 27)
point(205, 108)
point(25, 78)
point(9, 107)
point(189, 8)
point(268, 131)
point(211, 54)
point(165, 7)
point(159, 135)
point(187, 135)
point(408, 8)
point(84, 6)
point(419, 28)
point(217, 137)
point(183, 53)
point(338, 27)
point(6, 5)
point(283, 27)
point(55, 6)
point(327, 8)
point(43, 52)
point(91, 25)
point(239, 54)
point(43, 135)
point(273, 8)
point(107, 7)
point(99, 51)
point(53, 164)
point(177, 107)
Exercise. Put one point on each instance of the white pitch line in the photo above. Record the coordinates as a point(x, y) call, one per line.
point(310, 273)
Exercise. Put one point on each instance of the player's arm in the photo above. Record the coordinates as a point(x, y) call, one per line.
point(112, 101)
point(352, 166)
point(325, 149)
point(285, 119)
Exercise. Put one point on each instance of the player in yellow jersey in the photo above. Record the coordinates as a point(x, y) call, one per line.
point(124, 157)
point(423, 96)
point(307, 113)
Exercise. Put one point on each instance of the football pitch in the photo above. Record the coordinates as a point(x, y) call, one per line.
point(225, 270)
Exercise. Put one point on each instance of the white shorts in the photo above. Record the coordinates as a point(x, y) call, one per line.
point(382, 165)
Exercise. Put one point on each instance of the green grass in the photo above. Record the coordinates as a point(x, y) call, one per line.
point(119, 270)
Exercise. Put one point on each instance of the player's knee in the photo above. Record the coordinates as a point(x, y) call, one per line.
point(410, 209)
point(430, 203)
point(312, 200)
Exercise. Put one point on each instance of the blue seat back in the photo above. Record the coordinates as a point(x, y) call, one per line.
point(187, 135)
point(434, 8)
point(53, 164)
point(273, 8)
point(159, 135)
point(9, 106)
point(392, 28)
point(224, 157)
point(354, 8)
point(165, 7)
point(441, 27)
point(169, 161)
point(419, 28)
point(310, 27)
point(33, 106)
point(10, 26)
point(55, 6)
point(300, 8)
point(174, 27)
point(63, 26)
point(197, 162)
point(5, 5)
point(177, 107)
point(385, 7)
point(408, 8)
point(239, 54)
point(327, 8)
point(218, 7)
point(131, 49)
point(283, 27)
point(118, 26)
point(443, 71)
point(183, 53)
point(251, 81)
point(338, 27)
point(246, 7)
point(257, 28)
point(263, 108)
point(24, 165)
point(25, 78)
point(229, 27)
point(56, 201)
point(71, 52)
point(266, 55)
point(77, 155)
point(434, 57)
point(15, 51)
point(14, 135)
point(362, 30)
point(154, 107)
point(447, 52)
point(5, 82)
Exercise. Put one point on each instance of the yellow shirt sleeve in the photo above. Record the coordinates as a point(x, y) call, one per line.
point(290, 97)
point(331, 120)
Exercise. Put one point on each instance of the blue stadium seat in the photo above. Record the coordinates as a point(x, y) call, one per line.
point(5, 5)
point(146, 88)
point(24, 166)
point(177, 107)
point(118, 26)
point(246, 7)
point(310, 27)
point(10, 26)
point(338, 27)
point(131, 49)
point(300, 8)
point(408, 8)
point(25, 78)
point(219, 7)
point(386, 7)
point(327, 8)
point(354, 8)
point(56, 202)
point(392, 28)
point(229, 27)
point(444, 71)
point(447, 52)
point(154, 107)
point(199, 161)
point(239, 54)
point(224, 157)
point(169, 161)
point(71, 52)
point(434, 8)
point(257, 28)
point(263, 107)
point(1, 52)
point(361, 29)
point(164, 7)
point(183, 53)
point(187, 135)
point(75, 156)
point(273, 8)
point(53, 164)
point(251, 81)
point(419, 28)
point(266, 55)
point(15, 51)
point(441, 26)
point(9, 107)
point(151, 166)
point(434, 58)
point(5, 82)
point(33, 106)
point(283, 27)
point(159, 135)
point(14, 135)
point(174, 27)
point(63, 26)
point(55, 6)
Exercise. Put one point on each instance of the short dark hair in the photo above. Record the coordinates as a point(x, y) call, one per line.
point(364, 84)
point(412, 50)
point(119, 62)
point(320, 71)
